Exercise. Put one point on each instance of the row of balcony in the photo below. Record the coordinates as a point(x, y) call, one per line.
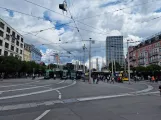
point(142, 57)
point(153, 53)
point(156, 60)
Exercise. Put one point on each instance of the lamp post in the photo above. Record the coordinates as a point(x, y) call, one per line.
point(128, 61)
point(112, 60)
point(90, 60)
point(84, 47)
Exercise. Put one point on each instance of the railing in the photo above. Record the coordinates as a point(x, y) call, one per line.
point(154, 60)
point(154, 53)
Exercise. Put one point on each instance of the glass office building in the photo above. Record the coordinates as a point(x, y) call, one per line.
point(114, 49)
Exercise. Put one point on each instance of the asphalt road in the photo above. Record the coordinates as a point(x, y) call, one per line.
point(76, 100)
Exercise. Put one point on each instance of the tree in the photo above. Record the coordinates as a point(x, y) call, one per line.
point(10, 65)
point(118, 66)
point(153, 68)
point(140, 69)
point(52, 66)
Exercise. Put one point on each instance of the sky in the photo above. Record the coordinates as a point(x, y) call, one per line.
point(96, 19)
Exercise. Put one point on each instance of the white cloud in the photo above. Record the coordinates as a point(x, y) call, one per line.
point(132, 23)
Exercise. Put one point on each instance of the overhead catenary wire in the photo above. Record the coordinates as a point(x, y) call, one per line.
point(71, 27)
point(49, 28)
point(64, 15)
point(46, 8)
point(61, 14)
point(39, 17)
point(22, 13)
point(117, 10)
point(63, 23)
point(75, 24)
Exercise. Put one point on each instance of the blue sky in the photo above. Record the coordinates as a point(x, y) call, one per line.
point(58, 25)
point(47, 16)
point(43, 48)
point(158, 10)
point(11, 13)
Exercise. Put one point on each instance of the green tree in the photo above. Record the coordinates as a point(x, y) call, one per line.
point(52, 66)
point(118, 66)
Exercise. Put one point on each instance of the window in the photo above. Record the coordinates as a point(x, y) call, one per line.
point(12, 47)
point(1, 25)
point(5, 53)
point(11, 54)
point(8, 30)
point(20, 58)
point(158, 44)
point(1, 33)
point(0, 52)
point(17, 50)
point(13, 34)
point(21, 39)
point(17, 43)
point(7, 37)
point(20, 51)
point(6, 45)
point(1, 42)
point(18, 37)
point(13, 41)
point(21, 45)
point(16, 56)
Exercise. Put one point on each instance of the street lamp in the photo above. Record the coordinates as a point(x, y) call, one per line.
point(84, 48)
point(112, 60)
point(90, 60)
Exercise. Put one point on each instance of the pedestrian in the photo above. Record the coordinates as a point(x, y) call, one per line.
point(83, 77)
point(93, 76)
point(153, 79)
point(98, 78)
point(149, 78)
point(160, 89)
point(2, 76)
point(26, 75)
point(135, 78)
point(54, 76)
point(104, 78)
point(112, 79)
point(119, 79)
point(33, 76)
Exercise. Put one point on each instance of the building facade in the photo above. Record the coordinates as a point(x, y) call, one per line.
point(27, 52)
point(114, 49)
point(147, 52)
point(11, 42)
point(35, 54)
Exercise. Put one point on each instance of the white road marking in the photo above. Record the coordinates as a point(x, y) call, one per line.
point(21, 89)
point(19, 84)
point(102, 97)
point(42, 115)
point(145, 90)
point(38, 92)
point(123, 87)
point(61, 82)
point(48, 103)
point(58, 93)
